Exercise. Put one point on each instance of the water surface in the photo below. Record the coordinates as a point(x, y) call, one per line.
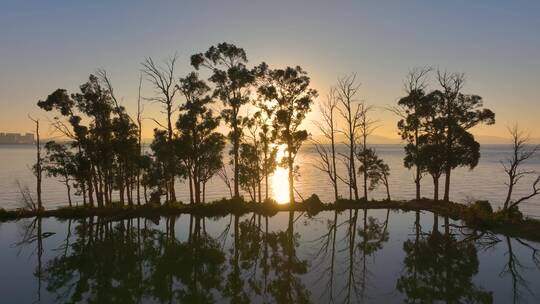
point(375, 256)
point(486, 181)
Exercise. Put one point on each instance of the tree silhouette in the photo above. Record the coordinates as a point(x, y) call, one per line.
point(200, 145)
point(460, 112)
point(290, 97)
point(232, 80)
point(440, 268)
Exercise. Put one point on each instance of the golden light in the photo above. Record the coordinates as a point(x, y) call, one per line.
point(280, 180)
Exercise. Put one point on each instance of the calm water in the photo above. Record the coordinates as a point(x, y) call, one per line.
point(374, 256)
point(487, 181)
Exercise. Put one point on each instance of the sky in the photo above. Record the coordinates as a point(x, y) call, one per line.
point(45, 45)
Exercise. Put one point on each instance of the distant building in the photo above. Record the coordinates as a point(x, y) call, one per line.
point(16, 138)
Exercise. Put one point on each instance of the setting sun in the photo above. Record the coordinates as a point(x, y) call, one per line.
point(280, 182)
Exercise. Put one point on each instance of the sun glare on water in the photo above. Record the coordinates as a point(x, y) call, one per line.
point(280, 180)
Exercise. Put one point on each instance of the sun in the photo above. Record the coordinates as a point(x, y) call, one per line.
point(280, 180)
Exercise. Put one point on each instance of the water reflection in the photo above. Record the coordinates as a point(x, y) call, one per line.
point(438, 267)
point(290, 258)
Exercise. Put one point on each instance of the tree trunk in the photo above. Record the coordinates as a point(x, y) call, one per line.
point(387, 185)
point(364, 147)
point(417, 178)
point(190, 181)
point(68, 193)
point(447, 184)
point(436, 188)
point(236, 169)
point(291, 179)
point(334, 173)
point(38, 167)
point(509, 194)
point(204, 192)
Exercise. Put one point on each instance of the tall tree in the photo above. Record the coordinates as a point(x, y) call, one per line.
point(411, 110)
point(327, 159)
point(38, 168)
point(140, 110)
point(266, 137)
point(347, 90)
point(232, 80)
point(460, 113)
point(69, 125)
point(196, 125)
point(163, 79)
point(290, 97)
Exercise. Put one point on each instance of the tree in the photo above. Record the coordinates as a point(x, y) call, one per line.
point(381, 173)
point(266, 137)
point(366, 127)
point(346, 92)
point(460, 112)
point(327, 158)
point(140, 110)
point(249, 174)
point(61, 163)
point(290, 97)
point(164, 81)
point(232, 80)
point(411, 109)
point(196, 125)
point(160, 169)
point(513, 167)
point(428, 153)
point(37, 168)
point(375, 169)
point(258, 149)
point(69, 125)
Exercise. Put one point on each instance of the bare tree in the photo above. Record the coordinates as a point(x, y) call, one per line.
point(346, 93)
point(26, 199)
point(164, 81)
point(38, 170)
point(327, 159)
point(224, 176)
point(140, 110)
point(513, 166)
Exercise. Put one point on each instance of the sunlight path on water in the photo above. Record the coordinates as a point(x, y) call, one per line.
point(280, 182)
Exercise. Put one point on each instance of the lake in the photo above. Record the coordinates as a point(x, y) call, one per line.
point(374, 256)
point(485, 182)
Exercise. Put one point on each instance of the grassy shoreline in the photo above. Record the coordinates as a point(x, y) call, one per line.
point(473, 215)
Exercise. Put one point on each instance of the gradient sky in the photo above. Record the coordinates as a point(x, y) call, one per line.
point(46, 45)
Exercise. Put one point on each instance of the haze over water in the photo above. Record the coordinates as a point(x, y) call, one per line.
point(485, 182)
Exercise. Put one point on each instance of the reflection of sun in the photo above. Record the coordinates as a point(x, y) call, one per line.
point(280, 180)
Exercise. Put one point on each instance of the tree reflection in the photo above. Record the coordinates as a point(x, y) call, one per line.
point(138, 260)
point(267, 262)
point(286, 286)
point(113, 262)
point(440, 268)
point(515, 268)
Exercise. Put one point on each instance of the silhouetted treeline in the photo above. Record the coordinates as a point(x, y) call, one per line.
point(106, 154)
